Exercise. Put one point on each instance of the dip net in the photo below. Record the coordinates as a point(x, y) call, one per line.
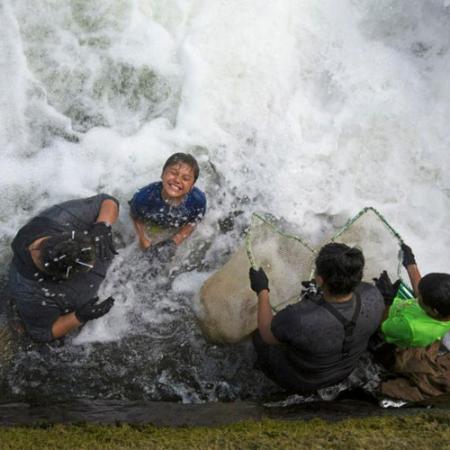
point(288, 259)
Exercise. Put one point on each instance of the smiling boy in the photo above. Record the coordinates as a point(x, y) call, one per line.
point(166, 212)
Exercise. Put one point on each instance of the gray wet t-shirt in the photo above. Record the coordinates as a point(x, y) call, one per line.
point(41, 300)
point(314, 337)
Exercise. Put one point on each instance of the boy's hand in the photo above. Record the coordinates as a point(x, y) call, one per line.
point(408, 256)
point(144, 241)
point(386, 288)
point(164, 251)
point(258, 280)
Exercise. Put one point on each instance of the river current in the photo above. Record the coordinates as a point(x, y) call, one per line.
point(308, 110)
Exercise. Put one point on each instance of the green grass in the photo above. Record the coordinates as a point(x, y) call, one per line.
point(425, 431)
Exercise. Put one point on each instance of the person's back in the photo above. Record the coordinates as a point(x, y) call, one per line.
point(315, 337)
point(324, 334)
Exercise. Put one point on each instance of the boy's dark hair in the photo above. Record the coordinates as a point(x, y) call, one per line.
point(184, 158)
point(341, 267)
point(434, 289)
point(67, 253)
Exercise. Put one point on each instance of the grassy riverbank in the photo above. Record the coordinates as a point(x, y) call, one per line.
point(424, 431)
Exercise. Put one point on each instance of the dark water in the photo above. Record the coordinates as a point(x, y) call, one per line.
point(180, 366)
point(170, 378)
point(151, 350)
point(161, 370)
point(162, 356)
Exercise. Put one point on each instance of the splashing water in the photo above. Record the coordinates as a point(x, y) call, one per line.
point(308, 110)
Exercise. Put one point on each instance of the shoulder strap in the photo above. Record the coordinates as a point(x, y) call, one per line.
point(349, 325)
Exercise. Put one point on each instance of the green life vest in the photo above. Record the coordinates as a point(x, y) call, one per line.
point(408, 325)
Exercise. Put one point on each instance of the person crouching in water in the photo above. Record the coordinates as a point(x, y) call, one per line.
point(414, 329)
point(421, 321)
point(60, 259)
point(325, 333)
point(166, 212)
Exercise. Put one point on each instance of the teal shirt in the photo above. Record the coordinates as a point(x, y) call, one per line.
point(408, 325)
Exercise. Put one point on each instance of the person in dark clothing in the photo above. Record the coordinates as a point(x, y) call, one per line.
point(60, 258)
point(317, 342)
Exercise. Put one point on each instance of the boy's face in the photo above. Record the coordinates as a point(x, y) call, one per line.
point(177, 180)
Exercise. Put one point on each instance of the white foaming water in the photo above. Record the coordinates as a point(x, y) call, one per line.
point(309, 110)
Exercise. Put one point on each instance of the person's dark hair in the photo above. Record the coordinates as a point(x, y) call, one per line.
point(434, 289)
point(184, 158)
point(341, 267)
point(67, 253)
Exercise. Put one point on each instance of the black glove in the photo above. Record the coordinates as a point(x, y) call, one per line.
point(103, 240)
point(258, 280)
point(93, 310)
point(386, 288)
point(163, 251)
point(408, 255)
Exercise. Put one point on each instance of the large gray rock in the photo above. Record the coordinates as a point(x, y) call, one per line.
point(230, 306)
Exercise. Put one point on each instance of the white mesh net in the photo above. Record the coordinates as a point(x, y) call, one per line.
point(229, 304)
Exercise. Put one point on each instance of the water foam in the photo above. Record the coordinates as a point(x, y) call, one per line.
point(308, 110)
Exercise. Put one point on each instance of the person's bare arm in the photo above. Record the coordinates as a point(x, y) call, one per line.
point(184, 232)
point(144, 241)
point(109, 212)
point(65, 324)
point(92, 309)
point(265, 317)
point(414, 277)
point(260, 284)
point(409, 263)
